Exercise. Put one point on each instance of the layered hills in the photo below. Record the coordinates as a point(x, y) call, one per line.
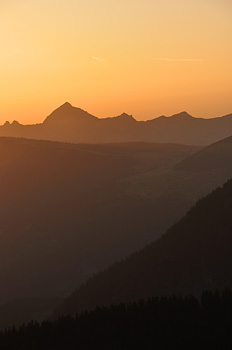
point(66, 207)
point(71, 124)
point(194, 255)
point(78, 208)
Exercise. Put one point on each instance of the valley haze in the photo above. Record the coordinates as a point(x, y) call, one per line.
point(115, 210)
point(79, 193)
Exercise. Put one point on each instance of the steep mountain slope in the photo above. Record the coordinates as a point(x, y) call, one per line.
point(195, 254)
point(65, 207)
point(215, 156)
point(75, 125)
point(190, 179)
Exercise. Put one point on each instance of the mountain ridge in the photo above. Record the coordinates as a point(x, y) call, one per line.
point(192, 256)
point(75, 125)
point(67, 106)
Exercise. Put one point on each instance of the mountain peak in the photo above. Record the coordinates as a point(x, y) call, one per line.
point(66, 113)
point(183, 114)
point(65, 106)
point(125, 116)
point(15, 123)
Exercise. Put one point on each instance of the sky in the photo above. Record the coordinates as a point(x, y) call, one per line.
point(143, 57)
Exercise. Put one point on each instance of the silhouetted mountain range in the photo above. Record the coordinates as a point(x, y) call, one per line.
point(195, 254)
point(75, 125)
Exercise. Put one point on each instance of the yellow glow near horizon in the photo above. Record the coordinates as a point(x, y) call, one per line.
point(146, 58)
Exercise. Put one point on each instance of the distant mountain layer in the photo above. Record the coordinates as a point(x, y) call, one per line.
point(66, 207)
point(195, 254)
point(68, 211)
point(74, 125)
point(214, 157)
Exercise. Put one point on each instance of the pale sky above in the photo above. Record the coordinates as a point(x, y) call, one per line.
point(146, 58)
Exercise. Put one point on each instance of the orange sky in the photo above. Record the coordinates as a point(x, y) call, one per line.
point(146, 58)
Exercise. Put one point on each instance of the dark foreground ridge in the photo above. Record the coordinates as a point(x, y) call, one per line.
point(158, 323)
point(194, 255)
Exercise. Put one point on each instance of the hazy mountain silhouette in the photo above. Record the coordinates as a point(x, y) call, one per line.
point(78, 208)
point(188, 180)
point(66, 114)
point(66, 207)
point(195, 254)
point(214, 157)
point(71, 124)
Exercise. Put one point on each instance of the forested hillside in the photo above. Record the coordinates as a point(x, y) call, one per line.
point(166, 323)
point(193, 255)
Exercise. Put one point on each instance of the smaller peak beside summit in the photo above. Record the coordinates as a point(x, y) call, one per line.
point(7, 123)
point(183, 114)
point(125, 116)
point(15, 123)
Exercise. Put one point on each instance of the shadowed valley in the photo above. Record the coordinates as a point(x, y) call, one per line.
point(70, 210)
point(65, 208)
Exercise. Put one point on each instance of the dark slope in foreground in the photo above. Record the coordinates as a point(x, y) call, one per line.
point(166, 323)
point(71, 124)
point(65, 208)
point(195, 254)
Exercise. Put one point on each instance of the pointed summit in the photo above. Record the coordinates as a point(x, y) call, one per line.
point(66, 105)
point(125, 115)
point(66, 114)
point(15, 123)
point(182, 115)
